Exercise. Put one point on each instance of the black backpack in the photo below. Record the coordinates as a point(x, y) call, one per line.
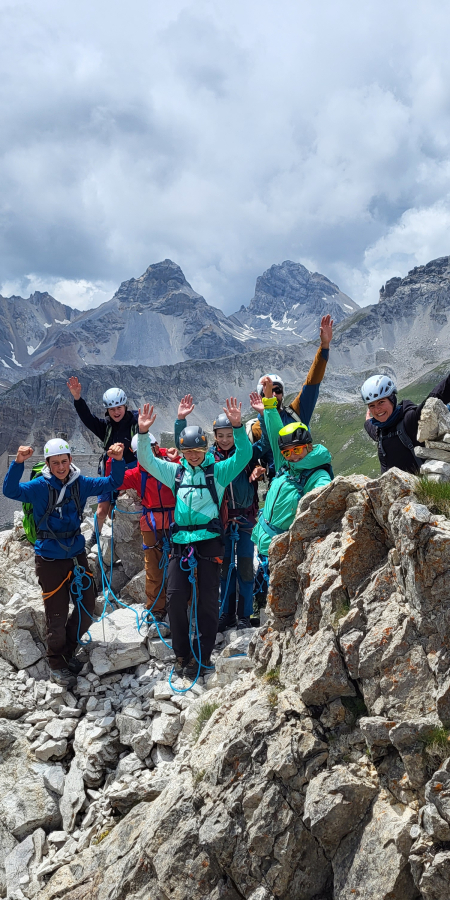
point(400, 432)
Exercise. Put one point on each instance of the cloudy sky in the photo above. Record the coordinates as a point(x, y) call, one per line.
point(227, 136)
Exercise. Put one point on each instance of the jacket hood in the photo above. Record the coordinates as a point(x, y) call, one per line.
point(74, 473)
point(319, 456)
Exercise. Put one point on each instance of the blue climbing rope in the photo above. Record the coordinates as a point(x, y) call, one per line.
point(234, 537)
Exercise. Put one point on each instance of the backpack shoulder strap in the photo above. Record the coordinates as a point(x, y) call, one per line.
point(108, 433)
point(144, 477)
point(211, 484)
point(179, 475)
point(75, 491)
point(295, 416)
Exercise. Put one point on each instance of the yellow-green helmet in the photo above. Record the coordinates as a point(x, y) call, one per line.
point(293, 434)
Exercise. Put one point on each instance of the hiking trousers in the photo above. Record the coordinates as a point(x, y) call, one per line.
point(62, 629)
point(209, 556)
point(154, 575)
point(245, 549)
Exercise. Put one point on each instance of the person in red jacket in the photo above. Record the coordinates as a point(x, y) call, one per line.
point(158, 504)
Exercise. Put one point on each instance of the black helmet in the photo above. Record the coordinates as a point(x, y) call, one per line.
point(293, 434)
point(193, 438)
point(222, 421)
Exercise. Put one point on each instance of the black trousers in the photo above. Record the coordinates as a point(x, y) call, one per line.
point(208, 555)
point(62, 628)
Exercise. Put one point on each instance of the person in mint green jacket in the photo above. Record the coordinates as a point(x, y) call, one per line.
point(198, 485)
point(300, 467)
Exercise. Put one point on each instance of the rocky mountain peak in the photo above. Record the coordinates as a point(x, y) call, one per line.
point(157, 286)
point(289, 301)
point(435, 274)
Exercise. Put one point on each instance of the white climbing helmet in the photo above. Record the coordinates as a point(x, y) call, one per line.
point(56, 446)
point(377, 387)
point(134, 441)
point(114, 397)
point(275, 379)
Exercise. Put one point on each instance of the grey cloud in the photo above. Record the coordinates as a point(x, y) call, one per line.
point(225, 136)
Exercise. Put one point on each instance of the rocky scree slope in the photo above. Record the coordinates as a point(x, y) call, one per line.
point(41, 405)
point(26, 326)
point(74, 763)
point(322, 772)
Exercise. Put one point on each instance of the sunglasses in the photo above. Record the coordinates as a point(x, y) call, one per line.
point(297, 450)
point(277, 390)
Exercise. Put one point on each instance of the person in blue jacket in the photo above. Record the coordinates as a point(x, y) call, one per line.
point(58, 497)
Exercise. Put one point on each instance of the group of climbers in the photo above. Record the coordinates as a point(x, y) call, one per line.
point(201, 520)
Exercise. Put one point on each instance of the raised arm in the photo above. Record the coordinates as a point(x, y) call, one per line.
point(227, 469)
point(306, 399)
point(12, 488)
point(161, 469)
point(96, 425)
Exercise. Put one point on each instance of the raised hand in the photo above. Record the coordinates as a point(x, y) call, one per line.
point(326, 331)
point(172, 454)
point(115, 451)
point(233, 411)
point(267, 384)
point(23, 454)
point(146, 418)
point(257, 473)
point(74, 387)
point(186, 406)
point(256, 402)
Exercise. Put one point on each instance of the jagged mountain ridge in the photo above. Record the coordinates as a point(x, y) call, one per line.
point(159, 318)
point(407, 331)
point(26, 326)
point(289, 301)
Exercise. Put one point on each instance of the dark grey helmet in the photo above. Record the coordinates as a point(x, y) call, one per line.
point(222, 421)
point(193, 438)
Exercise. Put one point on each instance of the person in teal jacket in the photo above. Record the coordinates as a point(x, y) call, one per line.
point(197, 538)
point(300, 465)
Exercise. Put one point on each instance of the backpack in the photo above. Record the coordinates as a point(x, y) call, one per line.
point(34, 531)
point(161, 508)
point(215, 525)
point(299, 481)
point(101, 463)
point(29, 525)
point(401, 433)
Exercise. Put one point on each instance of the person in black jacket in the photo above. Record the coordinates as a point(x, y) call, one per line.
point(117, 427)
point(394, 425)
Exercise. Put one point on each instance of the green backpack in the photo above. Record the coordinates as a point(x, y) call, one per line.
point(29, 525)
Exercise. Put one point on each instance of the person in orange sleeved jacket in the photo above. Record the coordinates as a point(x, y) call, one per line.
point(158, 504)
point(302, 407)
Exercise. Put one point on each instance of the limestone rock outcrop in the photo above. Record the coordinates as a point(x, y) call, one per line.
point(317, 769)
